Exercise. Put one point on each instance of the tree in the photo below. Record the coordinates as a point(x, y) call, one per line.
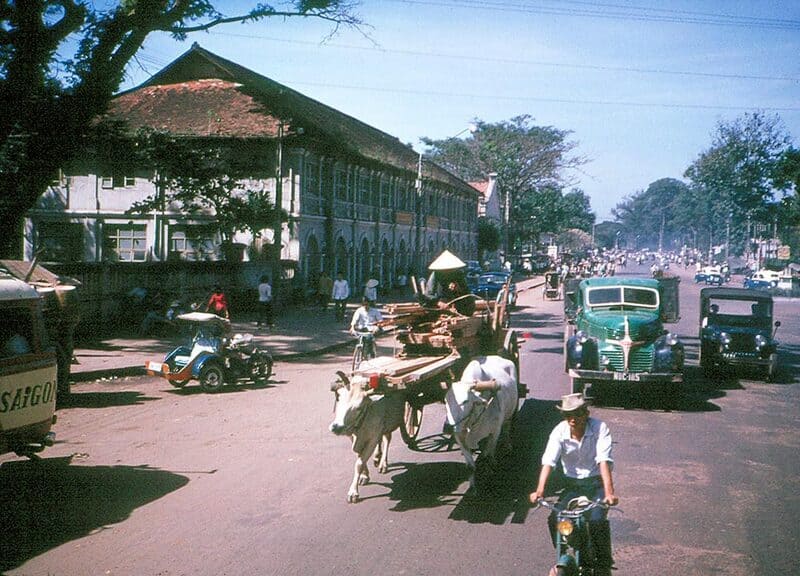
point(198, 177)
point(735, 179)
point(50, 98)
point(529, 161)
point(488, 236)
point(653, 214)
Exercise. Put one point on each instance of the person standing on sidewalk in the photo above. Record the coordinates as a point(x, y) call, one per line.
point(264, 303)
point(340, 294)
point(324, 290)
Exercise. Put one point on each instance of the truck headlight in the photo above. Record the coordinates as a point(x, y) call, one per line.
point(671, 339)
point(581, 336)
point(724, 338)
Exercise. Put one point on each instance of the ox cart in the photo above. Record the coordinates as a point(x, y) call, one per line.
point(432, 347)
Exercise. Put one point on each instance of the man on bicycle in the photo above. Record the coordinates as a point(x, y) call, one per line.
point(365, 319)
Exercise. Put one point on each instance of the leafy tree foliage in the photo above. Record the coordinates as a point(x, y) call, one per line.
point(532, 164)
point(199, 177)
point(731, 188)
point(50, 97)
point(488, 236)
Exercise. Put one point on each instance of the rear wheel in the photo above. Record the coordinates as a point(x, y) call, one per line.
point(260, 367)
point(212, 378)
point(357, 356)
point(179, 383)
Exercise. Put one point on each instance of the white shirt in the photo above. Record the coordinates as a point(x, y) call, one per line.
point(579, 459)
point(264, 292)
point(363, 319)
point(341, 290)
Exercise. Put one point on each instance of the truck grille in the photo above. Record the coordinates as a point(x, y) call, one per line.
point(641, 358)
point(742, 343)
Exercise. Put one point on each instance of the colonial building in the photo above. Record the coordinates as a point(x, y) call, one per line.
point(359, 201)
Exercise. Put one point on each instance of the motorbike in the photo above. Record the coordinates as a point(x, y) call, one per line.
point(574, 551)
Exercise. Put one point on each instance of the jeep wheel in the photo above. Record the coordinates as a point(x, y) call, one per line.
point(212, 378)
point(706, 361)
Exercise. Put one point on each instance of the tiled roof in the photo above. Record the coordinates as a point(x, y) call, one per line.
point(201, 94)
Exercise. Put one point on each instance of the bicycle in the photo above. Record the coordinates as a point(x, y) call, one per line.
point(365, 347)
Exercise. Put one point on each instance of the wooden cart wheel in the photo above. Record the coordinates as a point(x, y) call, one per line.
point(412, 420)
point(511, 349)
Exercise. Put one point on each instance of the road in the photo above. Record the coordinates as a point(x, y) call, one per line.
point(147, 480)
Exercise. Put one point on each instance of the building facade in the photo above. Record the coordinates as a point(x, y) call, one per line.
point(359, 201)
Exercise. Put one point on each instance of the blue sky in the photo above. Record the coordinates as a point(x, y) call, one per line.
point(640, 84)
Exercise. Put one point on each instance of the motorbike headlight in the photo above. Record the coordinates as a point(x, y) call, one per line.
point(724, 338)
point(565, 527)
point(761, 341)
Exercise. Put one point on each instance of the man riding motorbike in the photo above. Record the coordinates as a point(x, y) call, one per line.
point(583, 445)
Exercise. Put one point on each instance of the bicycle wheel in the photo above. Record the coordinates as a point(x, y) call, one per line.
point(357, 356)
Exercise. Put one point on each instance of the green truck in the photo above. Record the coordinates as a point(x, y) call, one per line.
point(616, 332)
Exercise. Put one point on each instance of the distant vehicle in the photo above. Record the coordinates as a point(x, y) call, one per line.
point(736, 329)
point(763, 280)
point(489, 284)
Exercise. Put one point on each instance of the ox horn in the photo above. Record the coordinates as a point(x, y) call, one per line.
point(342, 380)
point(485, 385)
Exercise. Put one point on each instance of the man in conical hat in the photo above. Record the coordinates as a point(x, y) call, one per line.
point(448, 283)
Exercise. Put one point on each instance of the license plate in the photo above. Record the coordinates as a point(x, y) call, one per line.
point(154, 366)
point(627, 376)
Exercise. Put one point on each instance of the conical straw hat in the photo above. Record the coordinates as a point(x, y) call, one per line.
point(447, 261)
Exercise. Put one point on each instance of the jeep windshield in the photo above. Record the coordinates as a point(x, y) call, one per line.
point(744, 312)
point(627, 296)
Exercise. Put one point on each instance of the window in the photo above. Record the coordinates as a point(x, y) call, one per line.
point(16, 332)
point(117, 181)
point(192, 243)
point(127, 243)
point(60, 241)
point(106, 182)
point(128, 181)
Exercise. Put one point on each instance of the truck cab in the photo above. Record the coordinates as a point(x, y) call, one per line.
point(28, 370)
point(616, 332)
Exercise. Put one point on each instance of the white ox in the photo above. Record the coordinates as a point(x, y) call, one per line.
point(481, 406)
point(369, 420)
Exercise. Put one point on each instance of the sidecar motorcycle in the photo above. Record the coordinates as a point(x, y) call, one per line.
point(214, 357)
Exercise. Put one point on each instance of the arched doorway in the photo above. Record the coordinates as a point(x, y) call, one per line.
point(402, 258)
point(363, 264)
point(387, 274)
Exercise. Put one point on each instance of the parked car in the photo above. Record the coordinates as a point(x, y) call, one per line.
point(763, 280)
point(490, 283)
point(736, 329)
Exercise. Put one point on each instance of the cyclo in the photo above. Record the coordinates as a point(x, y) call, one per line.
point(213, 357)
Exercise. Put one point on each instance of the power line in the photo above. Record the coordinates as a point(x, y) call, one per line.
point(541, 99)
point(517, 61)
point(608, 11)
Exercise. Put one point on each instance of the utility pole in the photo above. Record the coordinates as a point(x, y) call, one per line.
point(277, 231)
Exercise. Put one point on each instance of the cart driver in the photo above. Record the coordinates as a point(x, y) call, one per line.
point(365, 318)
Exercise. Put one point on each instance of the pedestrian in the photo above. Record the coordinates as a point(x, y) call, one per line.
point(324, 290)
point(340, 293)
point(371, 289)
point(583, 446)
point(264, 302)
point(217, 303)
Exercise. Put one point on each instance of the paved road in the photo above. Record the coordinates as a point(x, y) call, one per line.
point(150, 480)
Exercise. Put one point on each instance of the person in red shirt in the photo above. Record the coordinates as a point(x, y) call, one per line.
point(217, 304)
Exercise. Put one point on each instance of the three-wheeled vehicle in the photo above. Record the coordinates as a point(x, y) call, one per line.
point(552, 286)
point(736, 329)
point(214, 356)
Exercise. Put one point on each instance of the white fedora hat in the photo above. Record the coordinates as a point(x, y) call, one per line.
point(572, 402)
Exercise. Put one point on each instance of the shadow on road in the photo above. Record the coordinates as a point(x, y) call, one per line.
point(49, 502)
point(103, 399)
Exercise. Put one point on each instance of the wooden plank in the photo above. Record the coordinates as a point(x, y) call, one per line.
point(426, 372)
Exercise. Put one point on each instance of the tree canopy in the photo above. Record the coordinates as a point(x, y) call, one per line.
point(533, 165)
point(51, 94)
